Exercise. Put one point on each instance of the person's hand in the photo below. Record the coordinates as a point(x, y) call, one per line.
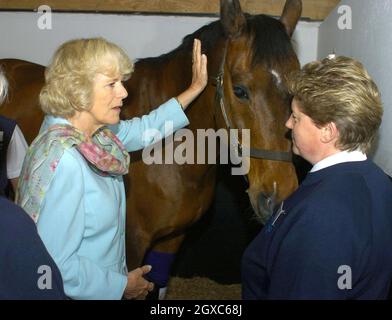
point(199, 68)
point(138, 287)
point(199, 76)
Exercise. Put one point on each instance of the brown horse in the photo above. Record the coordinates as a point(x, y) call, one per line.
point(248, 58)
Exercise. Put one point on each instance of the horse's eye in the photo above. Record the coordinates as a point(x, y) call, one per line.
point(241, 92)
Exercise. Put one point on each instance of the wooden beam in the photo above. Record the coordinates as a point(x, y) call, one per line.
point(312, 9)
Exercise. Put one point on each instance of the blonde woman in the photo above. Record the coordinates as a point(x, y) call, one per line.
point(72, 182)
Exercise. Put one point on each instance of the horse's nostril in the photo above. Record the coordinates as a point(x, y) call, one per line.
point(266, 204)
point(266, 201)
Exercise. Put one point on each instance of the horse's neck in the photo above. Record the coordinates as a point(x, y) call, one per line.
point(157, 80)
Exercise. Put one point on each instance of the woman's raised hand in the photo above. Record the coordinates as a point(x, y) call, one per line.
point(199, 76)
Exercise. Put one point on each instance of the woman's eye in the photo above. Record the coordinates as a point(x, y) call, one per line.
point(241, 92)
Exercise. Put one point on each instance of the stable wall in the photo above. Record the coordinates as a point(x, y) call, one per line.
point(369, 41)
point(140, 35)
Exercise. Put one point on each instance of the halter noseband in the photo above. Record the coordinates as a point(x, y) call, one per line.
point(252, 152)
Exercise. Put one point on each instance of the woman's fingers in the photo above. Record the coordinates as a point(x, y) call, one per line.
point(196, 52)
point(199, 76)
point(199, 66)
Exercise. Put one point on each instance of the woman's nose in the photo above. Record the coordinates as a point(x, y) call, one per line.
point(122, 92)
point(289, 122)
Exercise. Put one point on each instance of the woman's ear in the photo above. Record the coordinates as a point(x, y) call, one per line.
point(329, 133)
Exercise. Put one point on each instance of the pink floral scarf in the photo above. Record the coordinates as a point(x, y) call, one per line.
point(104, 153)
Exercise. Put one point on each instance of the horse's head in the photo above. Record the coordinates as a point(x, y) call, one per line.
point(250, 57)
point(257, 55)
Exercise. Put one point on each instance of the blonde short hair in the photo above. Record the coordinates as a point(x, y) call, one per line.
point(340, 90)
point(70, 76)
point(3, 86)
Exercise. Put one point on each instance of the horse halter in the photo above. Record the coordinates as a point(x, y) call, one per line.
point(252, 152)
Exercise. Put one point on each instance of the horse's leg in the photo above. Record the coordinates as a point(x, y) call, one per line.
point(161, 257)
point(174, 200)
point(137, 243)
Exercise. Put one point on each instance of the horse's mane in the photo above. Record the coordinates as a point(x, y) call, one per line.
point(271, 42)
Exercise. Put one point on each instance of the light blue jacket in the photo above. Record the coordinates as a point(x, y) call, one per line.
point(82, 221)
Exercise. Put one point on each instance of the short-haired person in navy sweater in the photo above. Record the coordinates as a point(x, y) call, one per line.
point(331, 239)
point(27, 271)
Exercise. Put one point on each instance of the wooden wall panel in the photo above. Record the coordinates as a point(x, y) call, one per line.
point(312, 9)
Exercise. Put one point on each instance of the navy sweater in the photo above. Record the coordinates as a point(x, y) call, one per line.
point(22, 254)
point(333, 240)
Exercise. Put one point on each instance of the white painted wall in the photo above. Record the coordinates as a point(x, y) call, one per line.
point(140, 36)
point(305, 41)
point(369, 41)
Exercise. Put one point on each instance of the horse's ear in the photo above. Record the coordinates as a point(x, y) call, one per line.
point(232, 18)
point(291, 13)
